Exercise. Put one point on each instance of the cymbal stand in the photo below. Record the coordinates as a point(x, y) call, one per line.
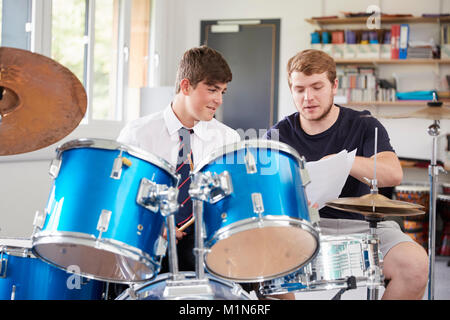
point(433, 172)
point(375, 268)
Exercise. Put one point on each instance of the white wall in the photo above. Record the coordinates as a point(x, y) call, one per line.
point(24, 185)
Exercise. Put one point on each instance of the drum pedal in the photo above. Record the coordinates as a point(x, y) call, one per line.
point(351, 284)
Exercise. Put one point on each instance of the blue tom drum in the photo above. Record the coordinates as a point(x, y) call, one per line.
point(99, 216)
point(25, 277)
point(257, 222)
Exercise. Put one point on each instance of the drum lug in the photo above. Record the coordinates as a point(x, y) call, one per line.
point(258, 205)
point(161, 246)
point(39, 220)
point(154, 197)
point(55, 166)
point(103, 222)
point(250, 162)
point(211, 187)
point(116, 171)
point(303, 172)
point(3, 265)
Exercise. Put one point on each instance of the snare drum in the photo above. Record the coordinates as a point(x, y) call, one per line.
point(258, 225)
point(25, 277)
point(339, 258)
point(155, 290)
point(415, 226)
point(97, 217)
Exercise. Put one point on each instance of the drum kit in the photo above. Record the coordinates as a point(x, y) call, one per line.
point(110, 203)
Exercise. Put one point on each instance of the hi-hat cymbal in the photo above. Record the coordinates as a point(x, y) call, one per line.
point(376, 205)
point(41, 101)
point(387, 212)
point(375, 200)
point(432, 113)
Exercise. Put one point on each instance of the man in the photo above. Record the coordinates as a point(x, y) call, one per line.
point(185, 132)
point(320, 129)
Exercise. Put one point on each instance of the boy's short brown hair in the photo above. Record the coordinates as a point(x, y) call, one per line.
point(310, 62)
point(202, 63)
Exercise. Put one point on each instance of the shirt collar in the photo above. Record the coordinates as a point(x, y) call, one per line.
point(173, 124)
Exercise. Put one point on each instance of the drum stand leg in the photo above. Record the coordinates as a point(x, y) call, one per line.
point(433, 172)
point(375, 270)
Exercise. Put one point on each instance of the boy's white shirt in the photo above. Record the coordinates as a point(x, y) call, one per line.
point(157, 133)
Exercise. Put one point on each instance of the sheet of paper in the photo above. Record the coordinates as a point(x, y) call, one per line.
point(328, 177)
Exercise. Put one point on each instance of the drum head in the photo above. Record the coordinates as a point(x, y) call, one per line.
point(261, 253)
point(82, 257)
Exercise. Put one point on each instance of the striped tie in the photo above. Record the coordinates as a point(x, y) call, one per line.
point(185, 163)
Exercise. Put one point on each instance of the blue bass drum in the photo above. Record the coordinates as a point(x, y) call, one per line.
point(157, 289)
point(25, 277)
point(260, 227)
point(97, 216)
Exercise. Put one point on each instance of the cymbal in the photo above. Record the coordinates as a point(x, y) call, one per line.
point(375, 200)
point(41, 101)
point(376, 205)
point(432, 113)
point(378, 214)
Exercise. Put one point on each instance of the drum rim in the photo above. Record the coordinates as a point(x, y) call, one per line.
point(443, 196)
point(231, 147)
point(267, 221)
point(109, 245)
point(138, 287)
point(115, 145)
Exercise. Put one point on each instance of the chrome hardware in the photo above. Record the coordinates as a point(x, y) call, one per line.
point(250, 162)
point(55, 166)
point(303, 172)
point(211, 187)
point(3, 265)
point(13, 292)
point(161, 246)
point(314, 215)
point(39, 220)
point(258, 206)
point(116, 171)
point(132, 293)
point(155, 197)
point(103, 222)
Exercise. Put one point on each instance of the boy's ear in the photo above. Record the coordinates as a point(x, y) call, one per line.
point(184, 86)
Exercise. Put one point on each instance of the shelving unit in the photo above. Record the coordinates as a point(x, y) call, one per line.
point(325, 23)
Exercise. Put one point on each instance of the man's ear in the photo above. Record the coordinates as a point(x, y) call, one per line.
point(185, 85)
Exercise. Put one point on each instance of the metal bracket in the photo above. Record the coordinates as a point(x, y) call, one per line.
point(39, 219)
point(155, 197)
point(211, 187)
point(258, 205)
point(116, 171)
point(250, 162)
point(103, 222)
point(3, 265)
point(55, 166)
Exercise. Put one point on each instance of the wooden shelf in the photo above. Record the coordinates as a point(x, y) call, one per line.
point(385, 20)
point(392, 61)
point(404, 103)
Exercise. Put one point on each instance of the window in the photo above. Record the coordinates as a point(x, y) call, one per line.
point(105, 44)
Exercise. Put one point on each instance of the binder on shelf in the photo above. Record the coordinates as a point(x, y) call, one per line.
point(395, 41)
point(403, 43)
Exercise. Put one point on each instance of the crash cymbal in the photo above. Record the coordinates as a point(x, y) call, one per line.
point(41, 101)
point(393, 212)
point(431, 112)
point(376, 200)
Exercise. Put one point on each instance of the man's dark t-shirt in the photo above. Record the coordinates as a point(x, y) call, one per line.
point(352, 130)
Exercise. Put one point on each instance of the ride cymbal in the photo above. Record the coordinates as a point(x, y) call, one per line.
point(41, 101)
point(431, 112)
